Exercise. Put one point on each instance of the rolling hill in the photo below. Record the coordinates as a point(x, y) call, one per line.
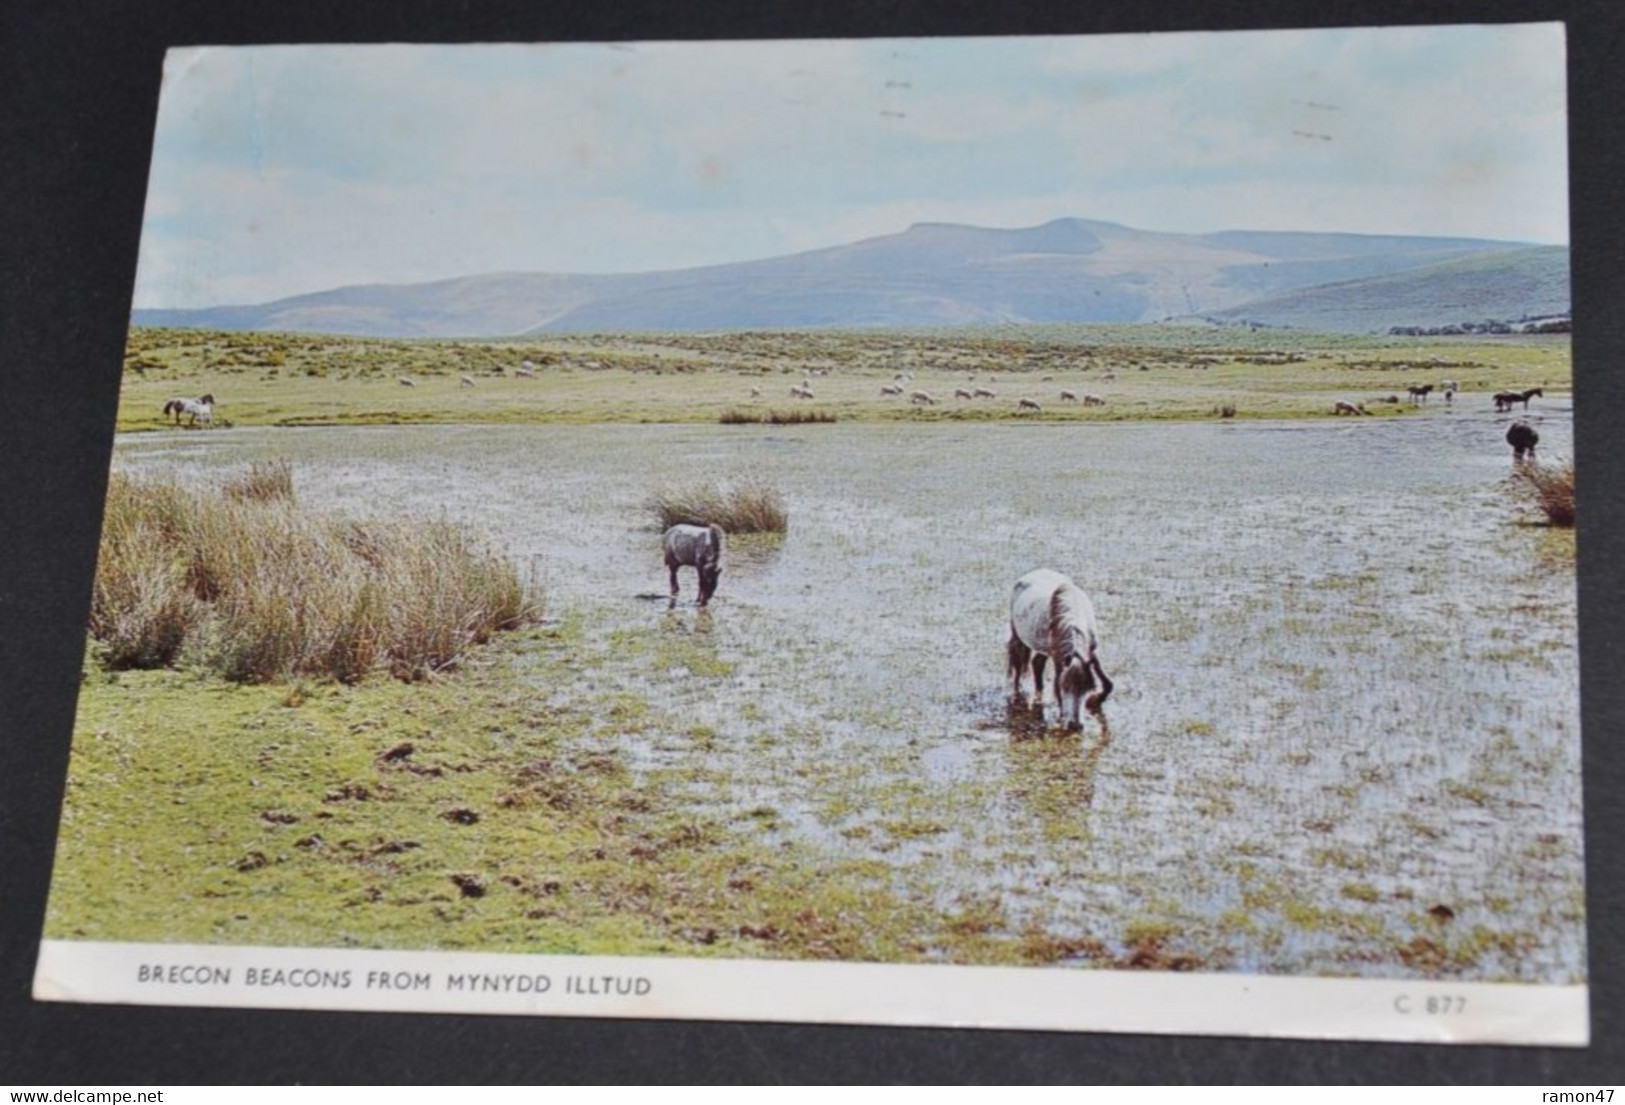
point(1502, 286)
point(936, 274)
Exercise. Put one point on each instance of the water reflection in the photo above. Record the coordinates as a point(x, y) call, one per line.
point(689, 620)
point(1050, 770)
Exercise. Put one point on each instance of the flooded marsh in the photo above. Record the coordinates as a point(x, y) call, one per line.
point(1344, 738)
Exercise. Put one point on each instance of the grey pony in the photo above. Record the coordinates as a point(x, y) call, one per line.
point(697, 547)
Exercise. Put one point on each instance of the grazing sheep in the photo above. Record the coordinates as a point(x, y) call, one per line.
point(522, 370)
point(985, 393)
point(800, 391)
point(466, 381)
point(890, 389)
point(755, 393)
point(1090, 400)
point(1069, 396)
point(1523, 439)
point(407, 383)
point(1028, 405)
point(1347, 408)
point(922, 398)
point(961, 393)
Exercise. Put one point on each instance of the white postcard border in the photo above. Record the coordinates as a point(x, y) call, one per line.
point(1058, 999)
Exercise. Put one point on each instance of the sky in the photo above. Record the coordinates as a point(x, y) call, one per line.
point(291, 169)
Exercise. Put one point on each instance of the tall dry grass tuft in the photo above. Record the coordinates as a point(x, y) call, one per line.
point(248, 585)
point(735, 416)
point(262, 482)
point(1550, 487)
point(748, 507)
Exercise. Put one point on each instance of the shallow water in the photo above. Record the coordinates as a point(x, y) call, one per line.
point(1346, 677)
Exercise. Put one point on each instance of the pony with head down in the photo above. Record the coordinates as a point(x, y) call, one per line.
point(1052, 619)
point(697, 547)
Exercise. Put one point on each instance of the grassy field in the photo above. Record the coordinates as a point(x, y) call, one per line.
point(1139, 372)
point(463, 813)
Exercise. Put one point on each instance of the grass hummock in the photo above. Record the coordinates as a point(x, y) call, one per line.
point(262, 483)
point(735, 416)
point(247, 585)
point(1551, 488)
point(747, 507)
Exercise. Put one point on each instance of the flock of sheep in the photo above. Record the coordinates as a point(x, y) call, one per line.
point(898, 388)
point(200, 410)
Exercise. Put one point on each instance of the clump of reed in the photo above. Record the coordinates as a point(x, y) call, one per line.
point(263, 482)
point(242, 582)
point(735, 416)
point(1550, 487)
point(751, 506)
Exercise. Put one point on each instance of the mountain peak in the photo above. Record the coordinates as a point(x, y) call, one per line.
point(931, 274)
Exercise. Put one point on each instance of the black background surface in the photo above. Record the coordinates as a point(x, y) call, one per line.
point(78, 91)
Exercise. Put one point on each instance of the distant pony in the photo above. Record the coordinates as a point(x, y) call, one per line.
point(697, 547)
point(1052, 619)
point(1505, 399)
point(201, 407)
point(1419, 392)
point(1523, 439)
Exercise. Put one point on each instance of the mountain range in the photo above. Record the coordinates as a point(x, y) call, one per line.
point(943, 274)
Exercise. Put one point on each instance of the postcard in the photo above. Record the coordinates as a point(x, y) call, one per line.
point(1064, 533)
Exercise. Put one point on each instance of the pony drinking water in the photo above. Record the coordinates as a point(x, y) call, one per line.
point(1052, 619)
point(1523, 439)
point(697, 547)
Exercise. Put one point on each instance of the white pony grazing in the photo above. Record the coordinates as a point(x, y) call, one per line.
point(1052, 619)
